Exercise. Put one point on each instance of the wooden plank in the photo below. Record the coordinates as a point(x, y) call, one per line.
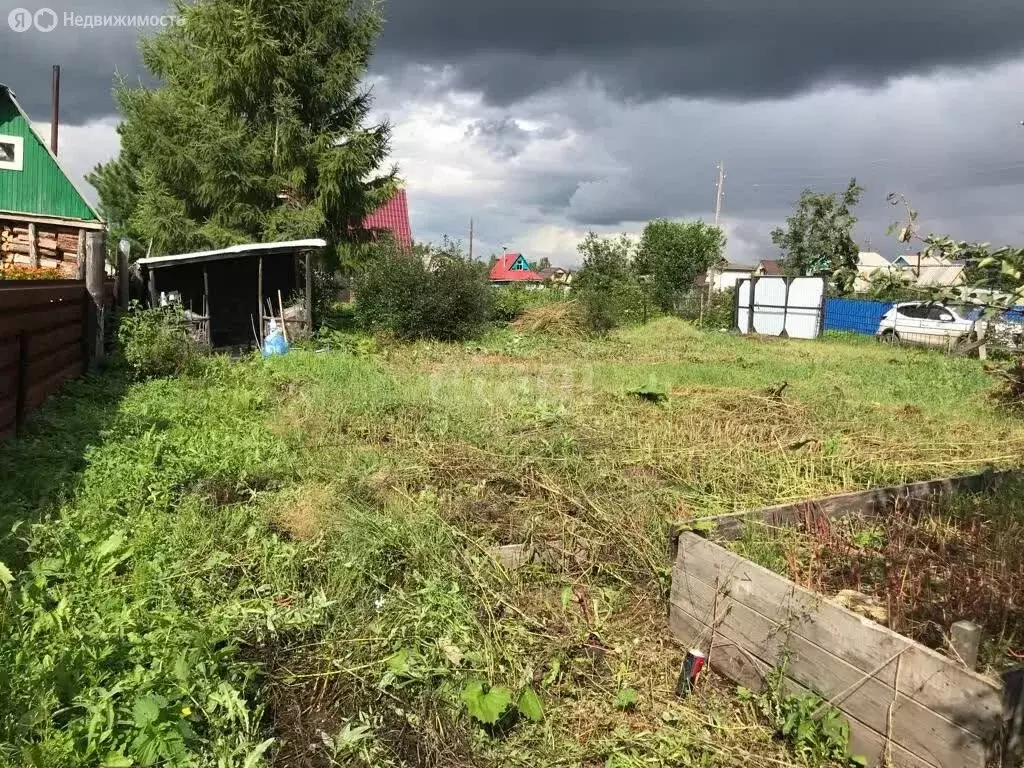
point(39, 320)
point(38, 392)
point(33, 244)
point(41, 294)
point(933, 680)
point(861, 503)
point(744, 668)
point(42, 366)
point(915, 727)
point(53, 338)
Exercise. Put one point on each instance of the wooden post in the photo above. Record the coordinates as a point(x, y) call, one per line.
point(260, 291)
point(123, 279)
point(33, 245)
point(154, 297)
point(309, 291)
point(965, 637)
point(206, 304)
point(22, 391)
point(95, 258)
point(80, 275)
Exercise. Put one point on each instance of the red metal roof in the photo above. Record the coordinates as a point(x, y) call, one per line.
point(502, 271)
point(392, 217)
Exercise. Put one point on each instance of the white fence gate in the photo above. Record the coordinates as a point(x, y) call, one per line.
point(781, 306)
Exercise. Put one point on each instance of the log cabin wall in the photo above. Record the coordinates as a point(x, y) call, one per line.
point(46, 245)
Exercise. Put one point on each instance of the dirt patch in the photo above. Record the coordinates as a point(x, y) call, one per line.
point(306, 510)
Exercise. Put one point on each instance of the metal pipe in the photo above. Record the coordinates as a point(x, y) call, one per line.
point(55, 115)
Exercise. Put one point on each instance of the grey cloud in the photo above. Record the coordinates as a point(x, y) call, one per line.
point(731, 49)
point(504, 137)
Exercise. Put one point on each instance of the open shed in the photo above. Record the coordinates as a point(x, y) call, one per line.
point(226, 291)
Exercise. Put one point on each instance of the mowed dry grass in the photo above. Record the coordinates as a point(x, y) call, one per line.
point(521, 438)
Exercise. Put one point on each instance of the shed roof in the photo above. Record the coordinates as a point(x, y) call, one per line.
point(234, 251)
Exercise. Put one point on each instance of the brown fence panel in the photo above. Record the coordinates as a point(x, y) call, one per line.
point(43, 329)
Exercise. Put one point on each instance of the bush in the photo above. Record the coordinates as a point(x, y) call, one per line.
point(156, 342)
point(398, 292)
point(718, 312)
point(607, 286)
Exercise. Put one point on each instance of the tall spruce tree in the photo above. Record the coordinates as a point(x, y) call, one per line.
point(257, 130)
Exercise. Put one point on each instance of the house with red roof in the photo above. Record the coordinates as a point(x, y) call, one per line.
point(514, 269)
point(392, 217)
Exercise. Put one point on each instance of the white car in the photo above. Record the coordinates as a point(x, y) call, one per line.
point(931, 323)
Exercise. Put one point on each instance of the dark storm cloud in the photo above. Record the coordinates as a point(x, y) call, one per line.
point(89, 57)
point(504, 138)
point(728, 49)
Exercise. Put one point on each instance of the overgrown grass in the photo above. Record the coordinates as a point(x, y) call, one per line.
point(297, 549)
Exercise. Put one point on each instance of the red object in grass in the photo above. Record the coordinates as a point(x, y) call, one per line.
point(514, 268)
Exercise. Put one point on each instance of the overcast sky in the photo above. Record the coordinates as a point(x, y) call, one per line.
point(543, 120)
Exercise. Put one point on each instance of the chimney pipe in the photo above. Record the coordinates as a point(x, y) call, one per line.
point(55, 116)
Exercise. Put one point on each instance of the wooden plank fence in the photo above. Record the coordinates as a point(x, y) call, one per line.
point(907, 704)
point(46, 329)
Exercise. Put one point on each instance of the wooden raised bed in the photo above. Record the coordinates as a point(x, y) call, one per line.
point(907, 704)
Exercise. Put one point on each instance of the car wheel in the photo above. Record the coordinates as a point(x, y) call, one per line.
point(889, 336)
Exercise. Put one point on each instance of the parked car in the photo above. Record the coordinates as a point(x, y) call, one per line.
point(932, 323)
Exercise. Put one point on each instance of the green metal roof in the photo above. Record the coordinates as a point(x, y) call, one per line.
point(41, 187)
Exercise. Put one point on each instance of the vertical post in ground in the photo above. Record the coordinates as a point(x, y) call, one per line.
point(259, 290)
point(80, 274)
point(965, 637)
point(33, 246)
point(95, 259)
point(123, 278)
point(309, 291)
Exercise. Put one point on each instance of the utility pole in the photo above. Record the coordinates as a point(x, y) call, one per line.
point(471, 239)
point(719, 194)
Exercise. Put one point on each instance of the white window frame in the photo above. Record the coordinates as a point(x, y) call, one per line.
point(18, 164)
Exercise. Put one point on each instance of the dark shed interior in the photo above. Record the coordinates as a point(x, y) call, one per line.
point(229, 291)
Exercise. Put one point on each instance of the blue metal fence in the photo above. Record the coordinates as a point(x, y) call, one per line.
point(857, 315)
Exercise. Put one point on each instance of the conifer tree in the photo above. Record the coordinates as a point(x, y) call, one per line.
point(256, 131)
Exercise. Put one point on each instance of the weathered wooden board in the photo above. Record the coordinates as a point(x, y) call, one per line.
point(944, 713)
point(731, 660)
point(867, 699)
point(861, 503)
point(41, 319)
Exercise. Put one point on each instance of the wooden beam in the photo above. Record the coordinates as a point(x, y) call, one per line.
point(151, 283)
point(206, 304)
point(95, 258)
point(259, 290)
point(33, 245)
point(81, 255)
point(309, 291)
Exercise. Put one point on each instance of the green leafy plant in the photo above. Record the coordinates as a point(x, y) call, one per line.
point(486, 704)
point(650, 394)
point(626, 699)
point(156, 342)
point(815, 731)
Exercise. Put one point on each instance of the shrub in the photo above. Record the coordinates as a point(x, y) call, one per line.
point(400, 293)
point(156, 342)
point(718, 311)
point(607, 287)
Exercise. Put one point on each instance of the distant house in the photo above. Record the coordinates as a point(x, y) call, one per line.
point(43, 216)
point(768, 268)
point(726, 276)
point(392, 217)
point(915, 268)
point(556, 276)
point(514, 269)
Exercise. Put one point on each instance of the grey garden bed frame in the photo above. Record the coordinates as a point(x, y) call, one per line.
point(907, 704)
